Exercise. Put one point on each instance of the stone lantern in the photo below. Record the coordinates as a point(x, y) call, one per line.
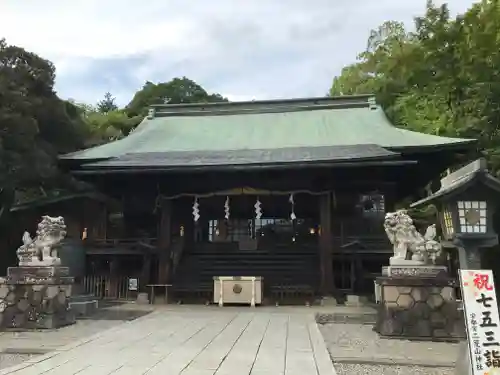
point(466, 203)
point(416, 294)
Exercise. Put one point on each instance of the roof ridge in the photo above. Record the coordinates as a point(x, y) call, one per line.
point(202, 111)
point(348, 101)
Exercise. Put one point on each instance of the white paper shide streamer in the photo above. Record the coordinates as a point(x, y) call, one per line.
point(258, 209)
point(196, 210)
point(226, 208)
point(292, 202)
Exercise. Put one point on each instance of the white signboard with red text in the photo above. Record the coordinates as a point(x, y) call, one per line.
point(482, 320)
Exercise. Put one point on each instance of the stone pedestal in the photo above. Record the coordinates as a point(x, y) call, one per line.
point(419, 307)
point(415, 271)
point(419, 271)
point(35, 298)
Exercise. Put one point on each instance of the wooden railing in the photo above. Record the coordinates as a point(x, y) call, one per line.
point(109, 287)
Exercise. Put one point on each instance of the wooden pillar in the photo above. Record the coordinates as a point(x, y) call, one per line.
point(102, 221)
point(389, 199)
point(164, 241)
point(326, 244)
point(95, 219)
point(113, 278)
point(145, 272)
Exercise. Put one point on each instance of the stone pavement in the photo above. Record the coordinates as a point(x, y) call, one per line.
point(41, 342)
point(195, 341)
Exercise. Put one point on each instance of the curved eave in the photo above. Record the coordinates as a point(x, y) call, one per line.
point(460, 186)
point(243, 167)
point(478, 177)
point(461, 144)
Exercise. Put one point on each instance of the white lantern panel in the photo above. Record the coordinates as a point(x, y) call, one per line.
point(472, 216)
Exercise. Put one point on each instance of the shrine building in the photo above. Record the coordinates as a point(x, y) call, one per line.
point(293, 191)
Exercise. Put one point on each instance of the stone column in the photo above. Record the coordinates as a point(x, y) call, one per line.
point(469, 258)
point(326, 244)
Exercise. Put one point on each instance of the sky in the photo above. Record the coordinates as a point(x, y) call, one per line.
point(242, 49)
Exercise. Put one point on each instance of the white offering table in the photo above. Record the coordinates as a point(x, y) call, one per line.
point(238, 289)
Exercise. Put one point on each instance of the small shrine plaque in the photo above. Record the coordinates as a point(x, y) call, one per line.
point(133, 284)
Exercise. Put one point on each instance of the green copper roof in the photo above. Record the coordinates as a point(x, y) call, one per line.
point(264, 125)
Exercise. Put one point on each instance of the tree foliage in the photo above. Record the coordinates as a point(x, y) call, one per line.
point(442, 78)
point(107, 127)
point(107, 104)
point(176, 91)
point(35, 124)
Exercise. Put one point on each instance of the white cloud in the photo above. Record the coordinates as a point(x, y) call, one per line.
point(242, 49)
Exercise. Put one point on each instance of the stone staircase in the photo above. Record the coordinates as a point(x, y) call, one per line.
point(296, 267)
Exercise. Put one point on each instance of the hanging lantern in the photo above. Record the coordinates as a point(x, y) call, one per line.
point(258, 209)
point(196, 210)
point(292, 202)
point(226, 208)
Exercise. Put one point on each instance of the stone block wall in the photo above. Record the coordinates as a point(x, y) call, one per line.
point(35, 306)
point(418, 308)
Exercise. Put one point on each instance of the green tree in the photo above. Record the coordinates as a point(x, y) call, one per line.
point(382, 68)
point(6, 202)
point(35, 125)
point(110, 126)
point(176, 91)
point(443, 78)
point(107, 104)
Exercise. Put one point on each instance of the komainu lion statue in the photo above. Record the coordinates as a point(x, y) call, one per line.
point(408, 242)
point(41, 250)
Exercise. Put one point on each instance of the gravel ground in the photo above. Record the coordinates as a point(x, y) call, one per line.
point(7, 360)
point(351, 369)
point(349, 342)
